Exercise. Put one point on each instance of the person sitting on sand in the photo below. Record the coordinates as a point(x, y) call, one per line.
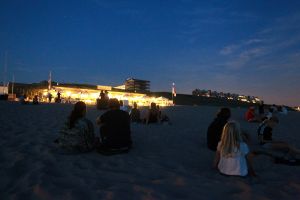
point(153, 114)
point(163, 117)
point(261, 109)
point(265, 136)
point(144, 115)
point(269, 114)
point(232, 156)
point(124, 106)
point(35, 100)
point(250, 115)
point(135, 115)
point(77, 134)
point(214, 131)
point(23, 99)
point(114, 129)
point(282, 110)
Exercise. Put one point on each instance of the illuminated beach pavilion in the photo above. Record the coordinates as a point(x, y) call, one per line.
point(73, 94)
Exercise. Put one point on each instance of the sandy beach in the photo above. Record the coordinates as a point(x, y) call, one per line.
point(166, 162)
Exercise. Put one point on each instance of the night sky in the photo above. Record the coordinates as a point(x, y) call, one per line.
point(245, 47)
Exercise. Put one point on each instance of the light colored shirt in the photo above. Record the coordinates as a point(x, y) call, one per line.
point(236, 164)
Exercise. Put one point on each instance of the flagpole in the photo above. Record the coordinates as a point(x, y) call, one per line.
point(173, 93)
point(49, 81)
point(172, 98)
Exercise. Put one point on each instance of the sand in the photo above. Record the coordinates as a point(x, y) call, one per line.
point(167, 161)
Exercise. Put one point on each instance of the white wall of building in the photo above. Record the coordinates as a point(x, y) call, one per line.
point(3, 90)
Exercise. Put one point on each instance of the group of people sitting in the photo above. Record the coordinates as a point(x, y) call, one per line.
point(77, 134)
point(152, 115)
point(251, 115)
point(24, 100)
point(224, 136)
point(233, 156)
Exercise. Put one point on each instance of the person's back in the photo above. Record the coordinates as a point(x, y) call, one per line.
point(79, 138)
point(232, 156)
point(135, 115)
point(214, 133)
point(153, 114)
point(115, 129)
point(250, 115)
point(261, 108)
point(236, 163)
point(77, 134)
point(35, 100)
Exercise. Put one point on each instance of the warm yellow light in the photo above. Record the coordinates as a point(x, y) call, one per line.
point(89, 96)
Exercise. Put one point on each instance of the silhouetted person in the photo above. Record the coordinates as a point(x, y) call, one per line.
point(35, 100)
point(265, 136)
point(114, 129)
point(106, 95)
point(261, 109)
point(153, 114)
point(159, 111)
point(123, 106)
point(49, 97)
point(250, 115)
point(102, 95)
point(23, 99)
point(102, 101)
point(214, 131)
point(58, 99)
point(135, 115)
point(77, 134)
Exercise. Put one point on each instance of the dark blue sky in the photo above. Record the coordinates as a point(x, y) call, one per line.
point(246, 47)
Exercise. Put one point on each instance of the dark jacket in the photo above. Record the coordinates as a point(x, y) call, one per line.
point(214, 133)
point(115, 129)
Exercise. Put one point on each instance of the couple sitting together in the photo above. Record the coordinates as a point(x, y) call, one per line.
point(77, 134)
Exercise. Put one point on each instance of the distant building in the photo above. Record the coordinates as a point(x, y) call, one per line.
point(222, 95)
point(104, 87)
point(74, 92)
point(3, 90)
point(136, 85)
point(120, 87)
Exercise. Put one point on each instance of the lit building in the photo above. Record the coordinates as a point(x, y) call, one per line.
point(136, 85)
point(88, 93)
point(89, 96)
point(3, 90)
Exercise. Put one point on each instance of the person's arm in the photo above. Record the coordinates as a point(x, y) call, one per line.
point(249, 158)
point(216, 160)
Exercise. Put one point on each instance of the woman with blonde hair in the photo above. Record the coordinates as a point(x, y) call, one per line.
point(232, 156)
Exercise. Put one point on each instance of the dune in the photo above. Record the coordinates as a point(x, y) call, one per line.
point(166, 162)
